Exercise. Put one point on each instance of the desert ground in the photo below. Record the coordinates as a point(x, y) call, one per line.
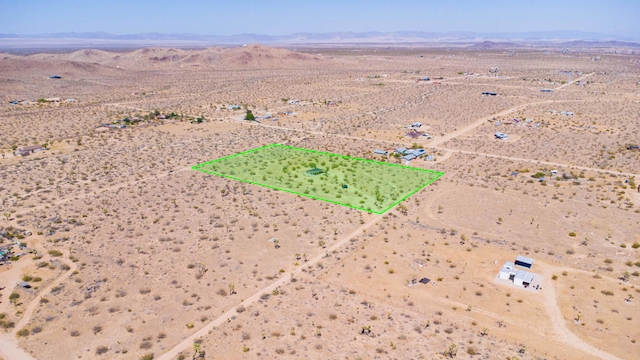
point(115, 248)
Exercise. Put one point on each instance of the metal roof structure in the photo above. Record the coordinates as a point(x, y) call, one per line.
point(524, 261)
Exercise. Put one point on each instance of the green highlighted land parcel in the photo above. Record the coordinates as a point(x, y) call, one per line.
point(358, 183)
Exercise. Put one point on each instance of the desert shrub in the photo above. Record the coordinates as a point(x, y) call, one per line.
point(14, 295)
point(101, 350)
point(478, 293)
point(27, 277)
point(607, 292)
point(6, 324)
point(55, 253)
point(240, 309)
point(74, 333)
point(147, 357)
point(635, 245)
point(97, 329)
point(145, 291)
point(36, 330)
point(145, 345)
point(472, 351)
point(23, 332)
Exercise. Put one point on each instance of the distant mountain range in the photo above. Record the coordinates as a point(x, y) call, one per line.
point(318, 38)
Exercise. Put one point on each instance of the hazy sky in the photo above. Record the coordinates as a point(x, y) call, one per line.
point(278, 17)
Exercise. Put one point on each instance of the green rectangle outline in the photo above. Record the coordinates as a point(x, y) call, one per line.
point(197, 168)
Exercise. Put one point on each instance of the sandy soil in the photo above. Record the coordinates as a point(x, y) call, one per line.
point(137, 254)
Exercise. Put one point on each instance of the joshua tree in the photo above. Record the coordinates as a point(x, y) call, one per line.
point(484, 332)
point(232, 289)
point(366, 330)
point(452, 351)
point(197, 351)
point(625, 276)
point(7, 215)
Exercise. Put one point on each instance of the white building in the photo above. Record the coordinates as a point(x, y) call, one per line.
point(523, 278)
point(506, 271)
point(518, 276)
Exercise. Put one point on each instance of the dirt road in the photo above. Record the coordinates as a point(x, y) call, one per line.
point(226, 317)
point(563, 334)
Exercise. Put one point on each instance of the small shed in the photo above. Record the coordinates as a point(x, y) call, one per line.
point(380, 152)
point(425, 280)
point(489, 93)
point(24, 285)
point(524, 261)
point(546, 90)
point(501, 136)
point(401, 150)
